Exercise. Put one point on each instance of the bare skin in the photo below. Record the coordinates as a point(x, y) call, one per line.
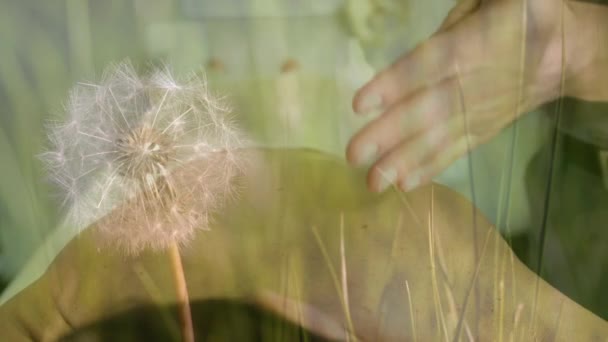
point(427, 251)
point(489, 63)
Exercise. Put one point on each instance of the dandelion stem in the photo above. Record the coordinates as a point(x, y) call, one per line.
point(182, 293)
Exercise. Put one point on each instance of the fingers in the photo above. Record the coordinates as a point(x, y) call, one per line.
point(408, 117)
point(428, 63)
point(419, 132)
point(457, 40)
point(415, 140)
point(404, 167)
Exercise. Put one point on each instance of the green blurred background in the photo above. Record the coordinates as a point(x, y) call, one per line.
point(290, 68)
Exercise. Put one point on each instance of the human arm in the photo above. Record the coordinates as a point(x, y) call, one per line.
point(488, 64)
point(278, 245)
point(590, 82)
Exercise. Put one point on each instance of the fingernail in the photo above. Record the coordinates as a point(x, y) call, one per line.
point(367, 154)
point(370, 103)
point(412, 181)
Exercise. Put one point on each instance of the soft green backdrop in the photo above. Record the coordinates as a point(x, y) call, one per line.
point(290, 72)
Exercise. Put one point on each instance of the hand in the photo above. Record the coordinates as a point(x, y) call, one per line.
point(486, 65)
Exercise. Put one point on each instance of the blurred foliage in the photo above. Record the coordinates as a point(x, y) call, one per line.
point(297, 68)
point(318, 251)
point(574, 257)
point(46, 46)
point(30, 85)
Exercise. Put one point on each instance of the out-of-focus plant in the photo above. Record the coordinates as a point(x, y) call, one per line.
point(422, 266)
point(45, 48)
point(120, 141)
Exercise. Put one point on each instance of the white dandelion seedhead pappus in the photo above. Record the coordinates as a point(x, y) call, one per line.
point(164, 150)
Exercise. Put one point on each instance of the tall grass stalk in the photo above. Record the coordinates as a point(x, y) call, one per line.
point(411, 307)
point(337, 284)
point(435, 249)
point(554, 145)
point(439, 314)
point(344, 278)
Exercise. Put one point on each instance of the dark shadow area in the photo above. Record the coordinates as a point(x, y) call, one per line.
point(568, 235)
point(214, 320)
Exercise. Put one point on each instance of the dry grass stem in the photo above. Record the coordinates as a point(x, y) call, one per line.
point(439, 314)
point(337, 284)
point(411, 305)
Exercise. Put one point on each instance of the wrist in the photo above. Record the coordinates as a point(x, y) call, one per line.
point(553, 28)
point(586, 46)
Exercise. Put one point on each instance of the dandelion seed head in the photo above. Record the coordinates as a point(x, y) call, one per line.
point(162, 152)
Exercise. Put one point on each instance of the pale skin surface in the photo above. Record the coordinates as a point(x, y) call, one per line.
point(266, 239)
point(489, 63)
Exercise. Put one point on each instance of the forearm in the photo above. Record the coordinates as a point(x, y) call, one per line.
point(512, 299)
point(586, 39)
